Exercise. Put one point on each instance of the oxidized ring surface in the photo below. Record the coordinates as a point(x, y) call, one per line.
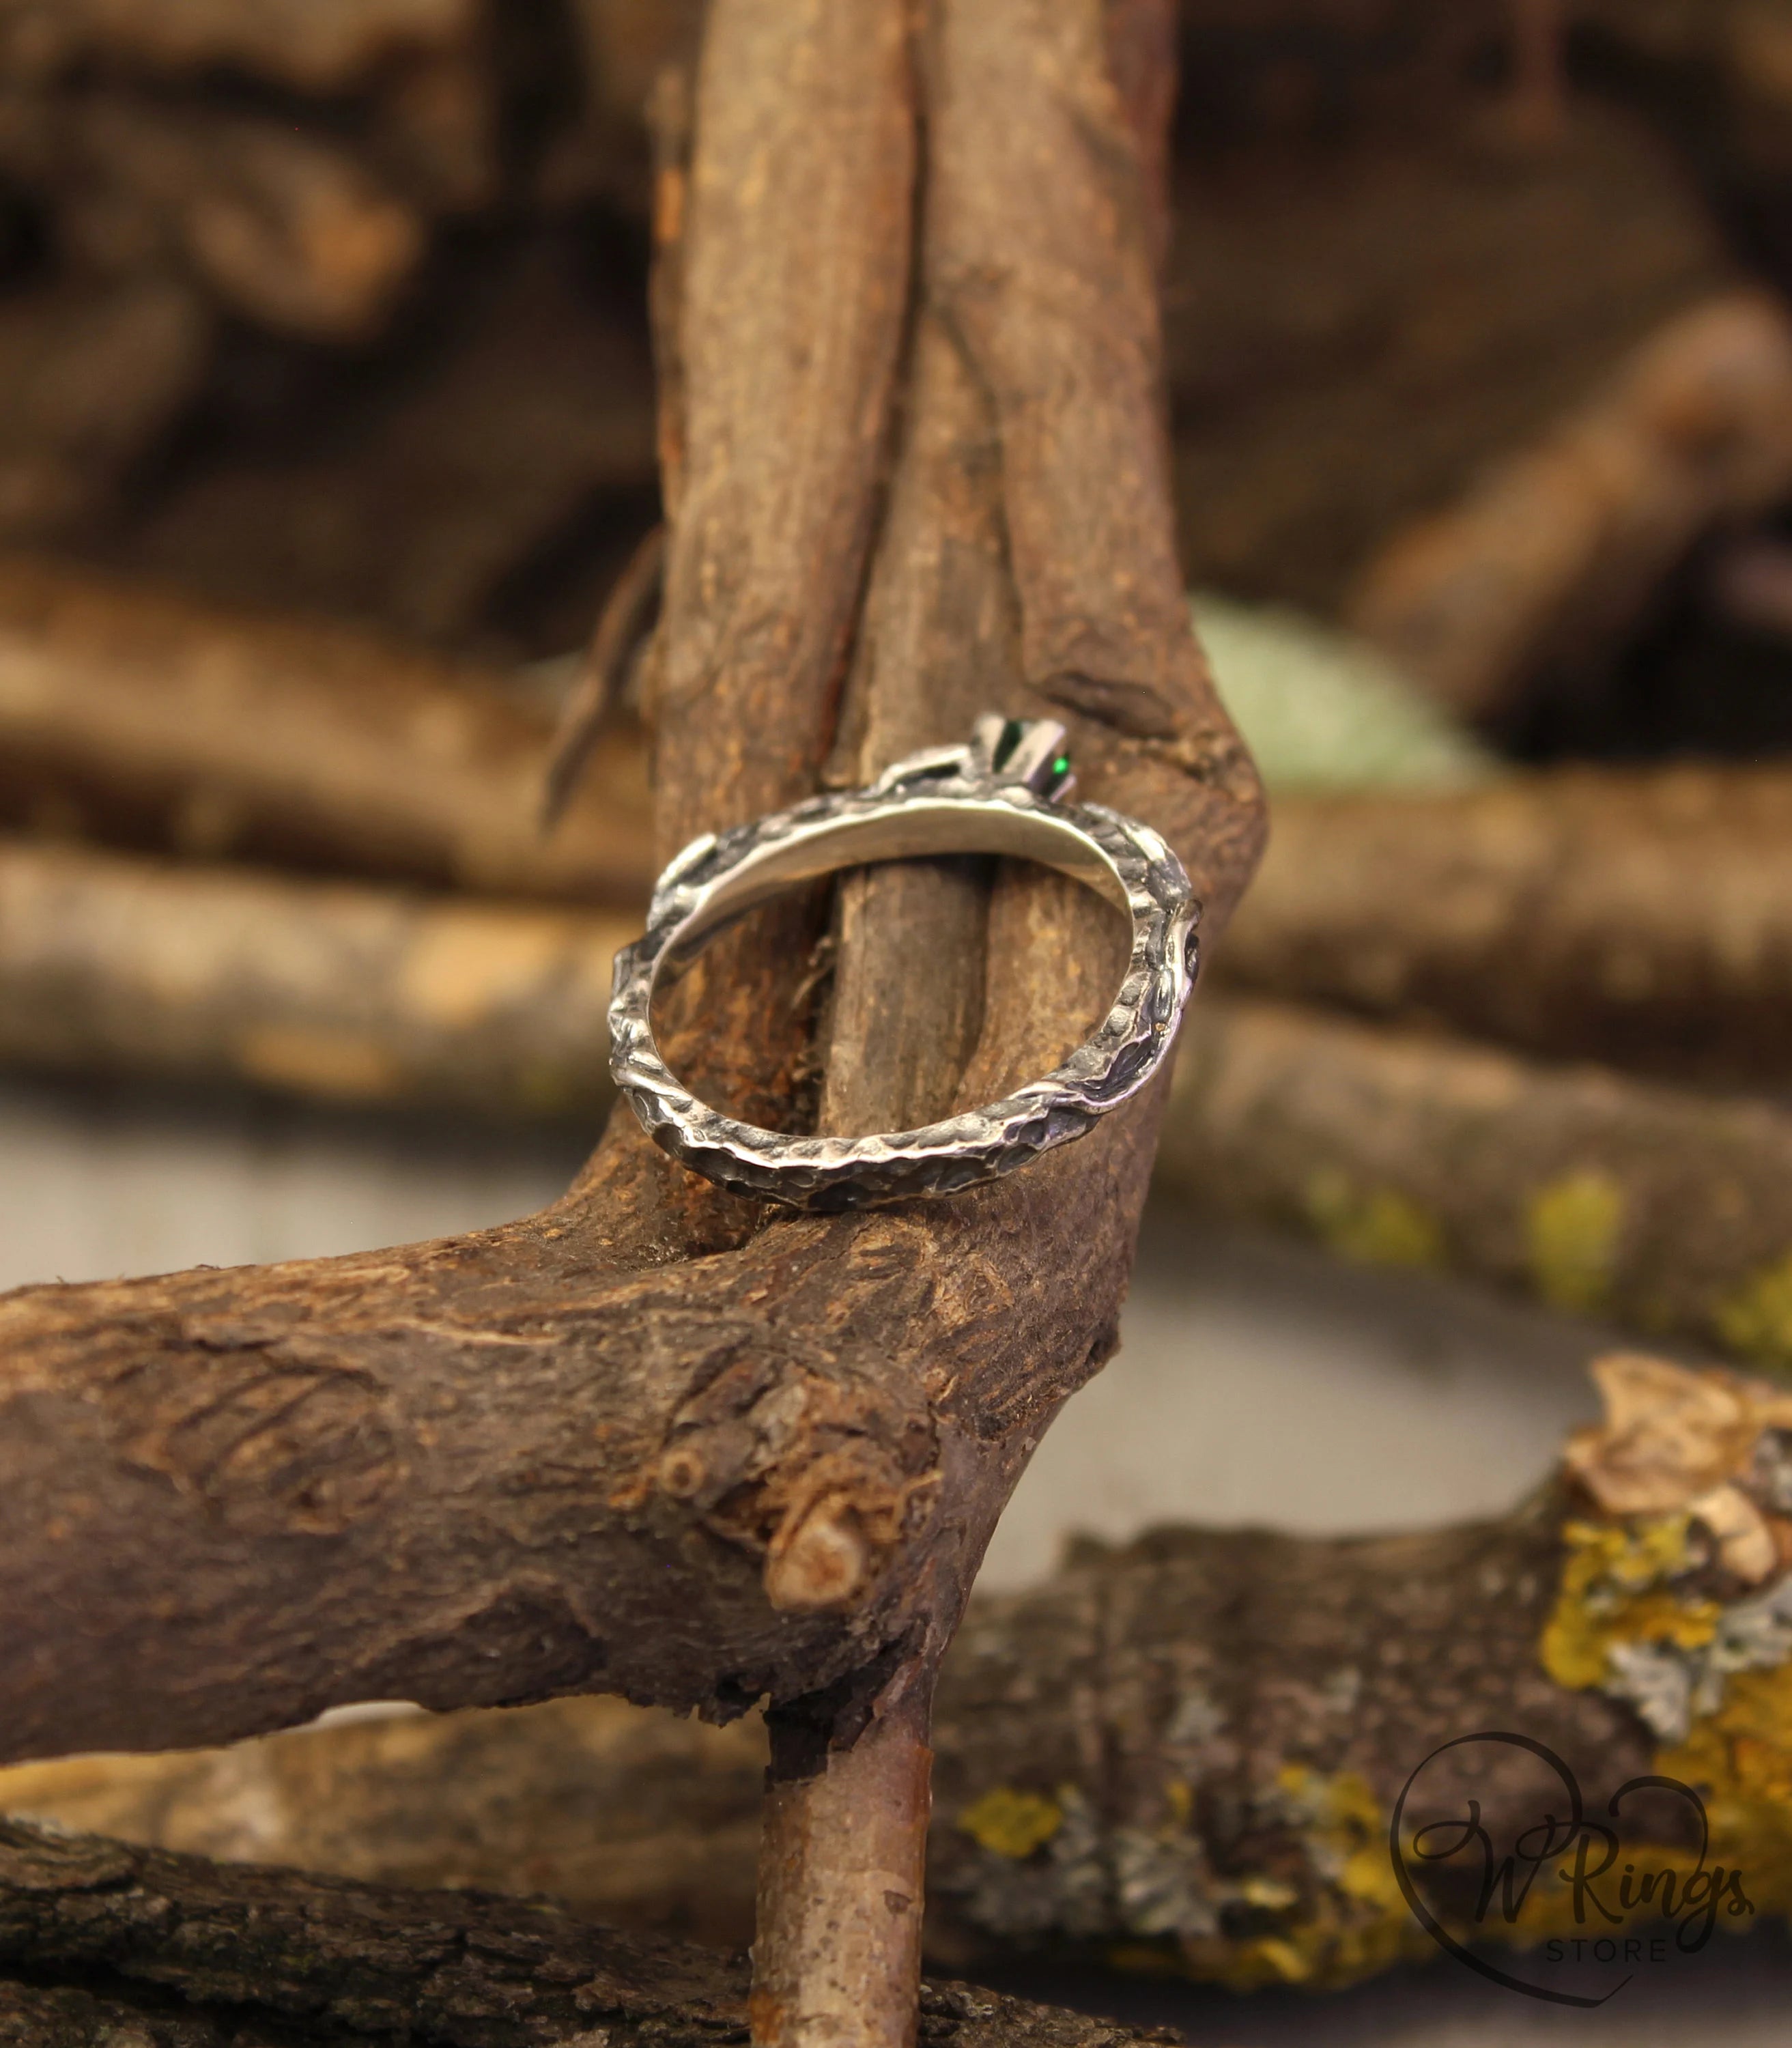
point(1005, 792)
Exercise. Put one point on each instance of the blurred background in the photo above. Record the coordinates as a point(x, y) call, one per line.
point(327, 437)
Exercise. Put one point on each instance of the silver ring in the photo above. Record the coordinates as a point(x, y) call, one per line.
point(1005, 792)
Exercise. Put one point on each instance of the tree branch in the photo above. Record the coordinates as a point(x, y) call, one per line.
point(136, 714)
point(98, 1942)
point(1179, 1752)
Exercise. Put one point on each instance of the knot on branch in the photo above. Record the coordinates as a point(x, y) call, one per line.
point(823, 1477)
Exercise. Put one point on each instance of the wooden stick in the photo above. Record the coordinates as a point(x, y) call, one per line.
point(138, 714)
point(1638, 916)
point(624, 623)
point(1180, 1753)
point(332, 989)
point(1664, 1209)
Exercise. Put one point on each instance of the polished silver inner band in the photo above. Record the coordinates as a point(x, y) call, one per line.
point(832, 846)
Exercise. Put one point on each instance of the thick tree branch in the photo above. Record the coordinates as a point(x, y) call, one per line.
point(134, 714)
point(1662, 1209)
point(99, 1943)
point(1181, 1752)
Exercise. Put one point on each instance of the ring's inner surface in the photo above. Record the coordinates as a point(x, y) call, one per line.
point(919, 828)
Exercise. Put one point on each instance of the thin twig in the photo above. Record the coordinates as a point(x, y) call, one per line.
point(626, 620)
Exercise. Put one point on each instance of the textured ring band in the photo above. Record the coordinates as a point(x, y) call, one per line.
point(1005, 792)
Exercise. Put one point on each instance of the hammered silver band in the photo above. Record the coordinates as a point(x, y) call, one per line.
point(1005, 792)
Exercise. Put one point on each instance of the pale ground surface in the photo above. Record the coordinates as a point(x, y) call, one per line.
point(1257, 1383)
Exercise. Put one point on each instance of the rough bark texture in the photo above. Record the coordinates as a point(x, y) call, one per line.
point(134, 714)
point(100, 1944)
point(1640, 917)
point(1186, 1751)
point(335, 989)
point(1151, 1701)
point(570, 1454)
point(1659, 1208)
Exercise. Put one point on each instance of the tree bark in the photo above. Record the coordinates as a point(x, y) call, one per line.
point(135, 713)
point(100, 1943)
point(1193, 1718)
point(1636, 916)
point(1186, 1751)
point(1663, 1209)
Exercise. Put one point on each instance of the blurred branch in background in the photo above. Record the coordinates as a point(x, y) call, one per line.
point(342, 991)
point(1659, 1207)
point(132, 714)
point(1640, 917)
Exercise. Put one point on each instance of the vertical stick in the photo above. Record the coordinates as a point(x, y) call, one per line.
point(836, 1961)
point(1539, 101)
point(942, 638)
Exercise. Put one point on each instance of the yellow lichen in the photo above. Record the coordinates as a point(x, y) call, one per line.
point(1269, 1891)
point(1373, 1226)
point(1757, 1321)
point(1739, 1758)
point(1573, 1228)
point(1011, 1823)
point(1613, 1591)
point(1356, 1920)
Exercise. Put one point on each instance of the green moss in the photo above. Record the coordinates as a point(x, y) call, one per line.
point(1372, 1226)
point(1572, 1228)
point(1757, 1321)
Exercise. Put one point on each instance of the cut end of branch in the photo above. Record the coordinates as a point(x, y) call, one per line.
point(824, 1561)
